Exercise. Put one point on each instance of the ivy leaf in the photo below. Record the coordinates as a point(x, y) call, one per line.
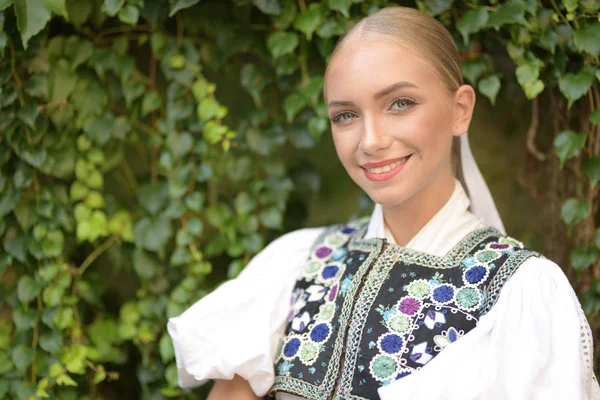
point(591, 167)
point(152, 101)
point(548, 41)
point(280, 43)
point(526, 74)
point(581, 258)
point(271, 7)
point(574, 211)
point(308, 21)
point(574, 86)
point(15, 243)
point(112, 7)
point(342, 6)
point(570, 5)
point(153, 234)
point(27, 289)
point(507, 13)
point(472, 69)
point(436, 7)
point(490, 87)
point(129, 15)
point(146, 266)
point(292, 104)
point(207, 109)
point(177, 5)
point(271, 218)
point(58, 7)
point(165, 346)
point(32, 17)
point(588, 39)
point(153, 197)
point(254, 79)
point(533, 89)
point(568, 144)
point(22, 357)
point(472, 22)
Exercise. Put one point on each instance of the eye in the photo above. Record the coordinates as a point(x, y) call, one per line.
point(343, 117)
point(402, 104)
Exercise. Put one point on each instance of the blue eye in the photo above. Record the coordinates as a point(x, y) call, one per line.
point(402, 104)
point(343, 117)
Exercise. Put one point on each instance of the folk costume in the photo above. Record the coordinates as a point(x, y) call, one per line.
point(461, 312)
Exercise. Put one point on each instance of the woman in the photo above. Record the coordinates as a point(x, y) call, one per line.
point(426, 300)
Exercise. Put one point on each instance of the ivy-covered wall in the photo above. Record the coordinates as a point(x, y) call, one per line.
point(148, 149)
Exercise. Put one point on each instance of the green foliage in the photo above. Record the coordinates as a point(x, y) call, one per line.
point(124, 164)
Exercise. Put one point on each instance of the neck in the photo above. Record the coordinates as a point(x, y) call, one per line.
point(406, 219)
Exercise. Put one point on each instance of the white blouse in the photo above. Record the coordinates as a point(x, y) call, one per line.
point(535, 343)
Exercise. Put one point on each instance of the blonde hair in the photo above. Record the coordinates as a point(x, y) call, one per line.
point(416, 32)
point(421, 35)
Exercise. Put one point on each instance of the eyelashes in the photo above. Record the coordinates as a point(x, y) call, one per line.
point(399, 105)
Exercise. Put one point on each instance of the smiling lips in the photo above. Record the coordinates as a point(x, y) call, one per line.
point(384, 170)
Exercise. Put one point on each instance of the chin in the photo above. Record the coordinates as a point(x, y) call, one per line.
point(389, 196)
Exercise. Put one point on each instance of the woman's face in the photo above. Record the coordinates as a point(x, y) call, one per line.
point(392, 120)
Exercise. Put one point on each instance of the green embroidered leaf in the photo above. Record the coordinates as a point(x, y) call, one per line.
point(581, 258)
point(472, 22)
point(568, 144)
point(574, 211)
point(591, 167)
point(588, 39)
point(280, 43)
point(507, 13)
point(574, 86)
point(308, 21)
point(490, 87)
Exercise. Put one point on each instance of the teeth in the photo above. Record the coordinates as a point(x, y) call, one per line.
point(387, 168)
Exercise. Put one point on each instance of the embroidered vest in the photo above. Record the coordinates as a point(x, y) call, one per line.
point(366, 312)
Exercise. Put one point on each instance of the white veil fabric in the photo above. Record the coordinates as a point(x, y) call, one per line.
point(482, 202)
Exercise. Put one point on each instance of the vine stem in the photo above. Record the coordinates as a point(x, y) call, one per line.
point(555, 6)
point(302, 5)
point(96, 253)
point(13, 65)
point(36, 333)
point(532, 131)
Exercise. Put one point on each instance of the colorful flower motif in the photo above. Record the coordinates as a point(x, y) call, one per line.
point(339, 254)
point(301, 322)
point(399, 323)
point(336, 240)
point(332, 292)
point(409, 306)
point(330, 271)
point(486, 256)
point(326, 312)
point(434, 319)
point(312, 267)
point(499, 246)
point(284, 368)
point(382, 367)
point(320, 332)
point(447, 337)
point(308, 353)
point(469, 262)
point(316, 292)
point(346, 284)
point(419, 289)
point(421, 354)
point(323, 252)
point(348, 230)
point(510, 241)
point(443, 293)
point(291, 348)
point(467, 298)
point(390, 343)
point(475, 274)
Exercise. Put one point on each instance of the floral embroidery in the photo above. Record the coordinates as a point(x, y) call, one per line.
point(468, 298)
point(308, 353)
point(326, 312)
point(399, 323)
point(447, 337)
point(443, 293)
point(382, 367)
point(409, 306)
point(475, 274)
point(390, 343)
point(419, 288)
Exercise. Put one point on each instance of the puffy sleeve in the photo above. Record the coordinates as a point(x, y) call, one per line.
point(535, 343)
point(236, 328)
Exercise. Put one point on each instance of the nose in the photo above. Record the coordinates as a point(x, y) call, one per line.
point(374, 137)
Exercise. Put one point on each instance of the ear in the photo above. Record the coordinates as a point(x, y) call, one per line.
point(464, 103)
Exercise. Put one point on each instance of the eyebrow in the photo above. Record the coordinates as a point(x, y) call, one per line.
point(382, 93)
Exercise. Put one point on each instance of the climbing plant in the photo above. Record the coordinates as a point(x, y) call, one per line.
point(149, 149)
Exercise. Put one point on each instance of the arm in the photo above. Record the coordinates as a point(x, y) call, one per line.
point(237, 388)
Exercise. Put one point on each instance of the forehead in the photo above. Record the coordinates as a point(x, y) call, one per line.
point(369, 65)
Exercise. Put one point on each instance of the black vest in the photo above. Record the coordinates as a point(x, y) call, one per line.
point(366, 312)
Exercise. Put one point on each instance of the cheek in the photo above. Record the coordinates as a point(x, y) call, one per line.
point(344, 146)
